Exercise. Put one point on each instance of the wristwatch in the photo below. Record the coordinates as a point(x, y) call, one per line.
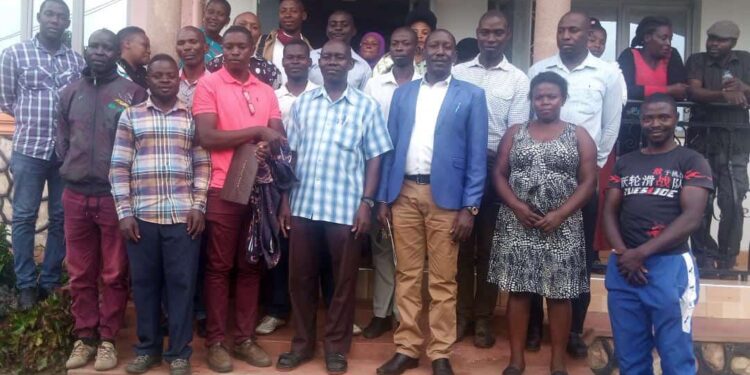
point(473, 210)
point(368, 201)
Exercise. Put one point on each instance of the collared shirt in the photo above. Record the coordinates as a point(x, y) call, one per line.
point(286, 99)
point(214, 48)
point(31, 79)
point(187, 88)
point(261, 68)
point(222, 95)
point(356, 78)
point(382, 87)
point(429, 101)
point(507, 91)
point(158, 171)
point(333, 139)
point(594, 99)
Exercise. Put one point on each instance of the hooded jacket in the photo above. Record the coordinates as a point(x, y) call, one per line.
point(89, 111)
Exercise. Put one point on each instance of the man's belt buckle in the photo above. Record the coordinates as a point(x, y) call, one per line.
point(421, 179)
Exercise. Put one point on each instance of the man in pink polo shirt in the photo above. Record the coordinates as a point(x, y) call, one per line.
point(232, 107)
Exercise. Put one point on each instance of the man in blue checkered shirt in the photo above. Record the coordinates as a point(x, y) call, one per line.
point(32, 74)
point(338, 134)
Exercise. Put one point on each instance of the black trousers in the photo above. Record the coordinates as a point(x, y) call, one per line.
point(164, 264)
point(580, 305)
point(275, 290)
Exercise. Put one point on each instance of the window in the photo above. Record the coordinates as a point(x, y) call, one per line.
point(10, 28)
point(100, 14)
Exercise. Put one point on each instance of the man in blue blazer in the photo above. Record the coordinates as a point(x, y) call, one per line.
point(430, 190)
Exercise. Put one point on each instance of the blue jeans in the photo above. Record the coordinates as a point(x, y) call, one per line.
point(29, 177)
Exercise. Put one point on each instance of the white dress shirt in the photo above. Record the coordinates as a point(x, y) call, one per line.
point(382, 87)
point(429, 101)
point(278, 55)
point(286, 99)
point(507, 91)
point(356, 78)
point(594, 99)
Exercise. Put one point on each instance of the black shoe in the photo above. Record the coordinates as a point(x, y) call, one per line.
point(44, 293)
point(290, 360)
point(398, 364)
point(533, 341)
point(463, 328)
point(441, 366)
point(27, 298)
point(483, 335)
point(377, 327)
point(576, 346)
point(336, 363)
point(727, 264)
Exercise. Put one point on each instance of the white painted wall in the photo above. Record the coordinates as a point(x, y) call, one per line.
point(239, 6)
point(459, 16)
point(733, 10)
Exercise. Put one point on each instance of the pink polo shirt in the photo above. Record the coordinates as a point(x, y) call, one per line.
point(222, 95)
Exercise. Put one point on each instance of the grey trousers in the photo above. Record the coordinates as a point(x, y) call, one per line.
point(384, 268)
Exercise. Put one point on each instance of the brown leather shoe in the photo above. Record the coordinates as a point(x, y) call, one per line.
point(253, 354)
point(483, 335)
point(219, 359)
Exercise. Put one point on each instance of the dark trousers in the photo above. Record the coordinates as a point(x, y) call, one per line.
point(275, 282)
point(731, 182)
point(308, 240)
point(164, 263)
point(227, 231)
point(474, 261)
point(580, 305)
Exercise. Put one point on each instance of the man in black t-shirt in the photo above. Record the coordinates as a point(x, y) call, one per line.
point(655, 200)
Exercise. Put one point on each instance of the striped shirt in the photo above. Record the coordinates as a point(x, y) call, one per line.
point(333, 139)
point(31, 79)
point(507, 91)
point(158, 172)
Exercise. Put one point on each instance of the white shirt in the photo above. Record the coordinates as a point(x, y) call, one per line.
point(507, 91)
point(594, 99)
point(278, 55)
point(286, 99)
point(356, 78)
point(429, 101)
point(382, 87)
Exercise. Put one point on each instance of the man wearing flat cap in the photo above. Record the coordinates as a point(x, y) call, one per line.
point(721, 75)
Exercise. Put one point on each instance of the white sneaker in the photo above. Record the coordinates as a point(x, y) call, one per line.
point(80, 356)
point(356, 331)
point(269, 324)
point(106, 357)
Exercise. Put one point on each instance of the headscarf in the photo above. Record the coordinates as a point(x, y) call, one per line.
point(381, 41)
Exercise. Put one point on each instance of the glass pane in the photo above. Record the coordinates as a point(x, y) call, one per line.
point(100, 14)
point(10, 28)
point(68, 33)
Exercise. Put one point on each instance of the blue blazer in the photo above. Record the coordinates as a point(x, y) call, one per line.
point(459, 160)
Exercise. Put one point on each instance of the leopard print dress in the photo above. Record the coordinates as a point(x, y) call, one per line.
point(544, 175)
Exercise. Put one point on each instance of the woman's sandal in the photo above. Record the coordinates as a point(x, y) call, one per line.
point(512, 370)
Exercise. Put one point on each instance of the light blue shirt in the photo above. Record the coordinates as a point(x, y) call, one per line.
point(333, 139)
point(357, 77)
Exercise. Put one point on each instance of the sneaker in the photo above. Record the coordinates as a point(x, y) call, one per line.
point(356, 331)
point(80, 356)
point(142, 364)
point(106, 357)
point(27, 298)
point(179, 367)
point(253, 354)
point(269, 324)
point(219, 359)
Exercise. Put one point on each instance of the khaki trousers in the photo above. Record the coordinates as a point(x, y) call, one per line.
point(422, 230)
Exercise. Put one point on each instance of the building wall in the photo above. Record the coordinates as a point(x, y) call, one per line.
point(459, 16)
point(734, 10)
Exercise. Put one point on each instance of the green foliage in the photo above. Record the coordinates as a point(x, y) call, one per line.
point(7, 276)
point(37, 340)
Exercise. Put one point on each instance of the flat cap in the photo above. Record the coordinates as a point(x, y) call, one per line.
point(724, 29)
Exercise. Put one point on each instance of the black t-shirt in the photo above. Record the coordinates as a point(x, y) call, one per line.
point(651, 186)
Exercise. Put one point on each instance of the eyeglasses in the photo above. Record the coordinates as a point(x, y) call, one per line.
point(249, 100)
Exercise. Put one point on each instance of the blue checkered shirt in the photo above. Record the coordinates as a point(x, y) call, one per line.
point(31, 79)
point(333, 139)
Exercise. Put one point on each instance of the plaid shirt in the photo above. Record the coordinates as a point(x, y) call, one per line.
point(333, 139)
point(31, 79)
point(158, 172)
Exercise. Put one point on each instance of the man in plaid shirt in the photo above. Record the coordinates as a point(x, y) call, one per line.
point(159, 178)
point(32, 74)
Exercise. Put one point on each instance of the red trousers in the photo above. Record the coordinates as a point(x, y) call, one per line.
point(95, 249)
point(226, 234)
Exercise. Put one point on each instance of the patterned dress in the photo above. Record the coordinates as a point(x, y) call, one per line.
point(544, 175)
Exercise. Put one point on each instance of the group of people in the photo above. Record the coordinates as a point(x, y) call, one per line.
point(478, 172)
